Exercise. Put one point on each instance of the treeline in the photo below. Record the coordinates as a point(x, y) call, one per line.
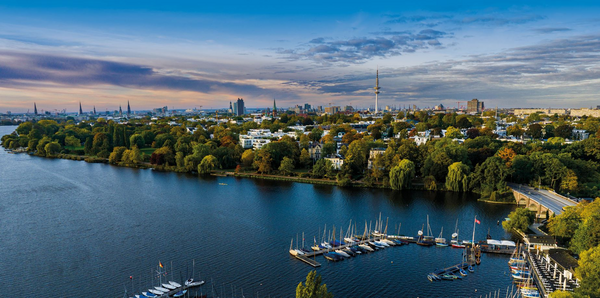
point(482, 164)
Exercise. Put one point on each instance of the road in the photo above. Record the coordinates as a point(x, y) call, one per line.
point(548, 199)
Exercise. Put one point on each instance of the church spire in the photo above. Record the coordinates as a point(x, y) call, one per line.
point(128, 108)
point(35, 109)
point(80, 110)
point(274, 108)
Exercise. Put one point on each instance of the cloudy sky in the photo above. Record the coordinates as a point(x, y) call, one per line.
point(192, 54)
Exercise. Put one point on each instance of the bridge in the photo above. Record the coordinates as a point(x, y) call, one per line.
point(540, 200)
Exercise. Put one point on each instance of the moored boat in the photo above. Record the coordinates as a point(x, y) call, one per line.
point(180, 293)
point(169, 286)
point(175, 284)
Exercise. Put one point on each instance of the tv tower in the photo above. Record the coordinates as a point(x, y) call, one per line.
point(376, 91)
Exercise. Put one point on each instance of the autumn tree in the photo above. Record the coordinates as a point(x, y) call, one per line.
point(262, 162)
point(247, 158)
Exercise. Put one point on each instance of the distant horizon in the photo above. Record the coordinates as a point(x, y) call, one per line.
point(186, 54)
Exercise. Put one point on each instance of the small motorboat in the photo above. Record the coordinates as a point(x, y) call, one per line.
point(462, 272)
point(169, 286)
point(471, 269)
point(342, 253)
point(180, 294)
point(158, 293)
point(365, 247)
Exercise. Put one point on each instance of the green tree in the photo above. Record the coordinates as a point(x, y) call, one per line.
point(561, 294)
point(535, 131)
point(519, 219)
point(401, 175)
point(587, 235)
point(321, 168)
point(356, 156)
point(137, 140)
point(87, 146)
point(563, 131)
point(490, 176)
point(208, 164)
point(453, 133)
point(305, 160)
point(565, 224)
point(429, 183)
point(458, 177)
point(588, 272)
point(52, 149)
point(313, 288)
point(287, 166)
point(117, 154)
point(72, 141)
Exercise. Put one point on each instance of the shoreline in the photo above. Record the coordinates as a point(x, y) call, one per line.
point(225, 173)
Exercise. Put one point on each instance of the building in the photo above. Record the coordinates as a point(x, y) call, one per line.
point(332, 110)
point(238, 107)
point(336, 161)
point(315, 149)
point(540, 242)
point(373, 154)
point(475, 106)
point(585, 112)
point(549, 111)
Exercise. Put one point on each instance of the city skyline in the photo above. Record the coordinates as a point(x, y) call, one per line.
point(187, 55)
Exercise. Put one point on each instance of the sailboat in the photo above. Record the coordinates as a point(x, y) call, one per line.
point(295, 252)
point(426, 240)
point(440, 241)
point(454, 242)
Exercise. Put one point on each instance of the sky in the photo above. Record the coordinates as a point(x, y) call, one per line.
point(184, 54)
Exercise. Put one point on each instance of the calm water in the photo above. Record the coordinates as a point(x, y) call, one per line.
point(73, 229)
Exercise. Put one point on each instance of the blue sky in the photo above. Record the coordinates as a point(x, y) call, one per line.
point(192, 54)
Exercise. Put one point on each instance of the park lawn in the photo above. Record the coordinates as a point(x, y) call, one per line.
point(148, 151)
point(72, 148)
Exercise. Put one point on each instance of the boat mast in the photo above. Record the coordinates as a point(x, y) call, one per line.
point(474, 222)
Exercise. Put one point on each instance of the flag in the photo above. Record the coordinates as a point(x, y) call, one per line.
point(160, 264)
point(477, 221)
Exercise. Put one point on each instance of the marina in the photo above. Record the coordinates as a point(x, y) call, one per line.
point(238, 234)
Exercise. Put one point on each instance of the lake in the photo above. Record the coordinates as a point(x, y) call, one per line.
point(74, 229)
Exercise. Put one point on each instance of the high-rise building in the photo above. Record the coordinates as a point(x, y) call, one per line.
point(238, 107)
point(376, 91)
point(307, 107)
point(474, 106)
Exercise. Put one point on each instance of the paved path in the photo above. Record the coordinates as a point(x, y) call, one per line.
point(548, 199)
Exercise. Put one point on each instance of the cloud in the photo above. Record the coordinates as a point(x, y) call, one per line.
point(359, 50)
point(553, 73)
point(73, 71)
point(500, 21)
point(550, 30)
point(397, 19)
